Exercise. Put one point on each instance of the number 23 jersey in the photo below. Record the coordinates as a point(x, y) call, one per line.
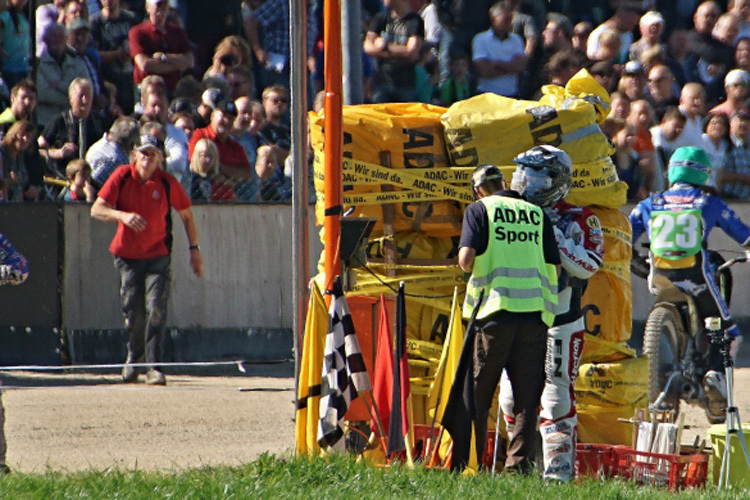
point(678, 222)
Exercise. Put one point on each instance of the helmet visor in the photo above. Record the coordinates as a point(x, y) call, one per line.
point(528, 181)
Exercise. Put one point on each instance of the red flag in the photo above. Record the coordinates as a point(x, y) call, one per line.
point(382, 384)
point(399, 425)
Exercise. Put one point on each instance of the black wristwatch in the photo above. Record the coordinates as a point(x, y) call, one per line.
point(194, 247)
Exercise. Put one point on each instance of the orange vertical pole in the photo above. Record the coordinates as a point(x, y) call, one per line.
point(334, 138)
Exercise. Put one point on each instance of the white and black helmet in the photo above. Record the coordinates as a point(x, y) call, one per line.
point(543, 176)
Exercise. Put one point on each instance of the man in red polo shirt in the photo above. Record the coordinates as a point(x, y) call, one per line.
point(138, 197)
point(159, 47)
point(233, 161)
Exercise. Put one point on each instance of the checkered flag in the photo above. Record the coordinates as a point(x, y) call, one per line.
point(344, 373)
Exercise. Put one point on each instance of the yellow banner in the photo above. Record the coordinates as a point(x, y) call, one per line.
point(406, 179)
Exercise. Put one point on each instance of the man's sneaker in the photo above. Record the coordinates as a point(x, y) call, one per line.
point(4, 469)
point(129, 375)
point(715, 387)
point(155, 377)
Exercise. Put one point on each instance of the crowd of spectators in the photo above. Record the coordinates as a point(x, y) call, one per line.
point(82, 79)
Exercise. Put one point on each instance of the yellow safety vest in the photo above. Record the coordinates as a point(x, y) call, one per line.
point(512, 271)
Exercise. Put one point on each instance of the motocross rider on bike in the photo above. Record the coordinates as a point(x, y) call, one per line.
point(544, 177)
point(678, 222)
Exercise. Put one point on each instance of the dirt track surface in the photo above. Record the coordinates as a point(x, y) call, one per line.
point(96, 422)
point(78, 422)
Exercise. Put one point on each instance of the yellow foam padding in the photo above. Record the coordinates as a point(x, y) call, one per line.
point(607, 305)
point(596, 349)
point(608, 299)
point(600, 424)
point(493, 129)
point(412, 135)
point(617, 383)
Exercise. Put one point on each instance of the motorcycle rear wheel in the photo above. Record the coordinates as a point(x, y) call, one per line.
point(664, 342)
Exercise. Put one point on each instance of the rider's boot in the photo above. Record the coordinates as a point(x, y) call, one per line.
point(715, 386)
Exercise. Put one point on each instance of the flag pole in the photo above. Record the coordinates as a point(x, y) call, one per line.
point(333, 141)
point(442, 377)
point(376, 418)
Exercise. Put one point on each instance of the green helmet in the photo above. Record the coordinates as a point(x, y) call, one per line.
point(689, 164)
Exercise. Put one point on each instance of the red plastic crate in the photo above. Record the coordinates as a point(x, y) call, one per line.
point(594, 460)
point(661, 469)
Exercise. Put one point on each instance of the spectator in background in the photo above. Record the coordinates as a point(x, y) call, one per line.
point(627, 162)
point(498, 54)
point(608, 47)
point(678, 55)
point(210, 98)
point(734, 174)
point(461, 22)
point(394, 38)
point(109, 29)
point(245, 129)
point(626, 17)
point(716, 141)
point(461, 83)
point(742, 54)
point(15, 42)
point(272, 50)
point(46, 15)
point(240, 80)
point(113, 149)
point(605, 74)
point(23, 180)
point(693, 106)
point(741, 10)
point(78, 173)
point(727, 29)
point(633, 81)
point(433, 31)
point(642, 117)
point(556, 36)
point(207, 184)
point(189, 88)
point(561, 68)
point(78, 38)
point(56, 71)
point(275, 132)
point(581, 33)
point(660, 91)
point(159, 47)
point(185, 122)
point(230, 52)
point(70, 134)
point(651, 26)
point(619, 106)
point(274, 185)
point(736, 85)
point(155, 108)
point(22, 104)
point(704, 20)
point(233, 162)
point(666, 139)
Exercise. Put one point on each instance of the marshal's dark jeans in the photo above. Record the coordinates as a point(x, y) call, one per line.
point(144, 294)
point(520, 347)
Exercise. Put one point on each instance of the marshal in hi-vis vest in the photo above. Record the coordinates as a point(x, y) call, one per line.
point(512, 270)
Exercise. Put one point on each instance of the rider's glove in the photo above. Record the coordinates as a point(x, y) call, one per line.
point(747, 254)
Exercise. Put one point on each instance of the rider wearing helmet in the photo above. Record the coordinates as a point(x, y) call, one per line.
point(678, 222)
point(509, 247)
point(14, 269)
point(544, 177)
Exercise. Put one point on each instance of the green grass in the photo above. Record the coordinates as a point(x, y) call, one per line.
point(271, 477)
